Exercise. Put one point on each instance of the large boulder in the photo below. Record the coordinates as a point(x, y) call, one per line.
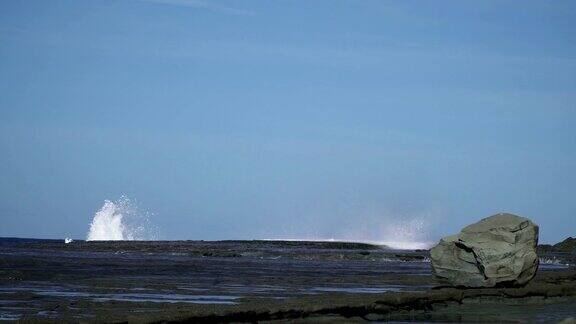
point(498, 250)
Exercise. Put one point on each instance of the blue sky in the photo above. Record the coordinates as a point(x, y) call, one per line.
point(270, 119)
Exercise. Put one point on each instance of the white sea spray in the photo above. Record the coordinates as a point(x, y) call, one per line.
point(121, 220)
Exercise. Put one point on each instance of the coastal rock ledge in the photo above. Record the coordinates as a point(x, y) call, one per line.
point(498, 250)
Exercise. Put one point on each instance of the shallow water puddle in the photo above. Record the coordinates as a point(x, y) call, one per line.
point(8, 317)
point(53, 291)
point(155, 298)
point(170, 298)
point(249, 289)
point(356, 290)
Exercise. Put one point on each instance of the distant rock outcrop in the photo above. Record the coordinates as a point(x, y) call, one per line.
point(568, 245)
point(562, 250)
point(498, 250)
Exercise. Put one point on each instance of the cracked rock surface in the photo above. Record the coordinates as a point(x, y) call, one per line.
point(497, 250)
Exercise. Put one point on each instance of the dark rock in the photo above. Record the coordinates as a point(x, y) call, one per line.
point(568, 245)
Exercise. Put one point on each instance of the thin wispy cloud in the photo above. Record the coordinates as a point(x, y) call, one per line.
point(200, 4)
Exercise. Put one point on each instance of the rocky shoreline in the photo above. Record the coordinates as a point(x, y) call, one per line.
point(390, 306)
point(437, 304)
point(249, 281)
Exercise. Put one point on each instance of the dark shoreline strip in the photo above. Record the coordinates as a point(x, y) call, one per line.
point(384, 304)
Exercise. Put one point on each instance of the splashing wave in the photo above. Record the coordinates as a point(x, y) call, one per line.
point(121, 220)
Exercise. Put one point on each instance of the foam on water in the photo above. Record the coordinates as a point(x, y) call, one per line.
point(395, 245)
point(404, 234)
point(403, 245)
point(121, 220)
point(553, 262)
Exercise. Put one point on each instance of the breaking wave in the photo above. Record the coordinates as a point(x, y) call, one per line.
point(407, 235)
point(553, 261)
point(121, 220)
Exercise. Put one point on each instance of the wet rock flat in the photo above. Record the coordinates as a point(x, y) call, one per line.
point(49, 281)
point(550, 297)
point(556, 291)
